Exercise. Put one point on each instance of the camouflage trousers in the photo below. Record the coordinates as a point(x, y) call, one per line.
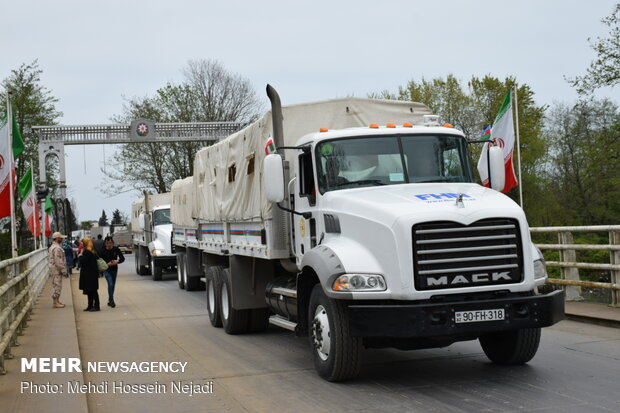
point(57, 285)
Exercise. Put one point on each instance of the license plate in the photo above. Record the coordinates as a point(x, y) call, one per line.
point(476, 316)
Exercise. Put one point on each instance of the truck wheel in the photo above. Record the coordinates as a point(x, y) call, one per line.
point(234, 321)
point(511, 347)
point(212, 277)
point(180, 272)
point(140, 269)
point(136, 262)
point(337, 355)
point(259, 319)
point(191, 283)
point(156, 270)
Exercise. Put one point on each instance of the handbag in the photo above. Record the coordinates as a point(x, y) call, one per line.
point(101, 265)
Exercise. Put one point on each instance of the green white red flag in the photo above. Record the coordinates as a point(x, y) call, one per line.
point(502, 135)
point(29, 202)
point(7, 165)
point(48, 216)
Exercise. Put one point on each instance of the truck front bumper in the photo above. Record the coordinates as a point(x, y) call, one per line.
point(412, 320)
point(165, 260)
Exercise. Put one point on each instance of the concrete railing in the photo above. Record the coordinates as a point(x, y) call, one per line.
point(21, 282)
point(569, 267)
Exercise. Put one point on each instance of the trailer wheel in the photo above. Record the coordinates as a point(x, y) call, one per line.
point(259, 319)
point(191, 283)
point(156, 270)
point(180, 271)
point(212, 277)
point(234, 321)
point(337, 355)
point(511, 347)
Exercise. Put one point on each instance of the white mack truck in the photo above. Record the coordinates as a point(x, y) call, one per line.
point(365, 230)
point(152, 235)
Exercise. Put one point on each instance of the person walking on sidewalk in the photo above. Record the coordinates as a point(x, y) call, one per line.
point(113, 256)
point(58, 266)
point(89, 275)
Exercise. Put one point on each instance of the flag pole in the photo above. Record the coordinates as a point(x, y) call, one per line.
point(514, 88)
point(9, 121)
point(35, 218)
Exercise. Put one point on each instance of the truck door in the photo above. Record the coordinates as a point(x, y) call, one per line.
point(305, 201)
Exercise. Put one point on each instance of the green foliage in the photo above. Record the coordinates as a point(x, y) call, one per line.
point(33, 104)
point(117, 219)
point(583, 166)
point(605, 69)
point(86, 225)
point(103, 220)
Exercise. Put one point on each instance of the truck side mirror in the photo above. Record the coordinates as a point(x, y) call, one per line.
point(497, 171)
point(141, 222)
point(273, 178)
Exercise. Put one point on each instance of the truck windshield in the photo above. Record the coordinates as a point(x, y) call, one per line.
point(161, 217)
point(390, 160)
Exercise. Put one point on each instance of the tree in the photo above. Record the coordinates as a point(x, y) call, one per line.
point(208, 93)
point(584, 163)
point(86, 225)
point(117, 219)
point(33, 104)
point(605, 69)
point(103, 220)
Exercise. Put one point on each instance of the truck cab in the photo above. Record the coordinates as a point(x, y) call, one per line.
point(160, 246)
point(391, 235)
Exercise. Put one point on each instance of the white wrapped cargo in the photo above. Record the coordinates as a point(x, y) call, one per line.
point(228, 184)
point(182, 212)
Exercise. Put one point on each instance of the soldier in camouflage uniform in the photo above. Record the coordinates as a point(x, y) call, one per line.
point(58, 266)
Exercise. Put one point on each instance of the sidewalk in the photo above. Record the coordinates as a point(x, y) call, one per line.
point(595, 313)
point(51, 332)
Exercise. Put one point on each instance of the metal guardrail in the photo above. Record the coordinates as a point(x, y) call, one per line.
point(569, 267)
point(21, 282)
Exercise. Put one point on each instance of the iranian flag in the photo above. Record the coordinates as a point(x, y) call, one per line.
point(48, 216)
point(6, 162)
point(502, 135)
point(29, 202)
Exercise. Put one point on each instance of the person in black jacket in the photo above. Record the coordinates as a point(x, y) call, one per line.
point(112, 256)
point(89, 275)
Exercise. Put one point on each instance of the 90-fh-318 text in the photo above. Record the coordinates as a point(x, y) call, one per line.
point(118, 387)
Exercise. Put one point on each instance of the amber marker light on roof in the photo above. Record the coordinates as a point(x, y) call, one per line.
point(448, 125)
point(407, 125)
point(323, 130)
point(390, 125)
point(374, 126)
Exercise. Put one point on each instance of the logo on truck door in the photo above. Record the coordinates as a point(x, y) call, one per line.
point(302, 228)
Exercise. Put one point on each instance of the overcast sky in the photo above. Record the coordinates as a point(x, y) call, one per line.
point(94, 53)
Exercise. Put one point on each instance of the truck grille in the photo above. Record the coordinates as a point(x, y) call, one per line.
point(451, 255)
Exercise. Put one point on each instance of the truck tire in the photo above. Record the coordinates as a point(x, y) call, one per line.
point(180, 271)
point(140, 269)
point(259, 319)
point(156, 270)
point(511, 347)
point(212, 277)
point(337, 355)
point(234, 321)
point(191, 283)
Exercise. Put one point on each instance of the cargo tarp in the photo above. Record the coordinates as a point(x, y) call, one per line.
point(182, 212)
point(229, 185)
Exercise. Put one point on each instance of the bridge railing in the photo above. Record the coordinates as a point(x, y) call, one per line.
point(569, 266)
point(21, 282)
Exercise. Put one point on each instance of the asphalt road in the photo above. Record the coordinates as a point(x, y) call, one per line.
point(577, 368)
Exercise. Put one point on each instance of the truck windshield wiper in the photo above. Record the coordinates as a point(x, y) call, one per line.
point(434, 180)
point(360, 182)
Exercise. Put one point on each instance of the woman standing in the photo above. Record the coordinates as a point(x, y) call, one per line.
point(89, 274)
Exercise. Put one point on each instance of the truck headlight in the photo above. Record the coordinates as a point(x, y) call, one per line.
point(359, 282)
point(540, 266)
point(540, 269)
point(157, 252)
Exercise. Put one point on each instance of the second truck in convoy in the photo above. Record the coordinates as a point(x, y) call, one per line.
point(151, 233)
point(365, 229)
